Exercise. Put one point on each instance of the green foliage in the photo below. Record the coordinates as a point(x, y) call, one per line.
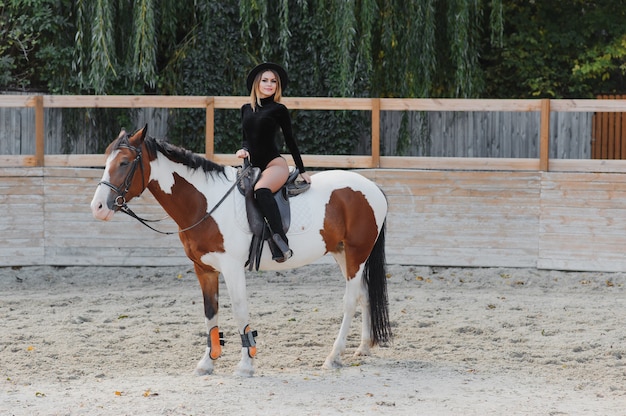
point(107, 122)
point(430, 48)
point(33, 46)
point(213, 64)
point(496, 22)
point(343, 30)
point(144, 48)
point(404, 137)
point(603, 67)
point(558, 50)
point(102, 67)
point(116, 46)
point(464, 18)
point(326, 65)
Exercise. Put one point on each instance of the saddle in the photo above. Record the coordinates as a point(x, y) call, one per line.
point(248, 176)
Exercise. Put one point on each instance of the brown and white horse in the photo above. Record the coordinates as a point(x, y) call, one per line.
point(343, 213)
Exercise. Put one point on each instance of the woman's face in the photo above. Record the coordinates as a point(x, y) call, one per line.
point(267, 84)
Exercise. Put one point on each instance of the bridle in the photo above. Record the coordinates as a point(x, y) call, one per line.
point(120, 199)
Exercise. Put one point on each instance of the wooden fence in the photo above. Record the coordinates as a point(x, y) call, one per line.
point(609, 132)
point(548, 111)
point(480, 212)
point(489, 134)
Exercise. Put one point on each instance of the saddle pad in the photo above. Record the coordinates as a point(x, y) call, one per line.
point(301, 215)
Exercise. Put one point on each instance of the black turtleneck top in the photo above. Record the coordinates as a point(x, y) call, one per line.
point(259, 132)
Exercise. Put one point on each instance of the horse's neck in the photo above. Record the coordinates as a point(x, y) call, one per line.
point(184, 192)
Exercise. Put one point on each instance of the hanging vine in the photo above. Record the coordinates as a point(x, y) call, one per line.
point(254, 26)
point(144, 43)
point(363, 64)
point(102, 47)
point(422, 40)
point(343, 31)
point(496, 23)
point(459, 30)
point(283, 31)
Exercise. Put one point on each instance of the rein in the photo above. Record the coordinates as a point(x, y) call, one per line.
point(120, 200)
point(126, 210)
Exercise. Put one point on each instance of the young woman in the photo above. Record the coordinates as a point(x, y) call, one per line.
point(261, 119)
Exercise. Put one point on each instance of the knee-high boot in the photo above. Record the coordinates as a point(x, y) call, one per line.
point(269, 209)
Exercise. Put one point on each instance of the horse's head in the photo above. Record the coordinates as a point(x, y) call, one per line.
point(125, 174)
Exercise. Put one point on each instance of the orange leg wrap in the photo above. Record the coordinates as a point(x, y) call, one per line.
point(215, 342)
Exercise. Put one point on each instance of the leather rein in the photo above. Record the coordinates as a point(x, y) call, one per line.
point(122, 205)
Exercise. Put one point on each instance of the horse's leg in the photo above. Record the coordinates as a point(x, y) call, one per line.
point(366, 322)
point(363, 300)
point(209, 283)
point(354, 291)
point(235, 279)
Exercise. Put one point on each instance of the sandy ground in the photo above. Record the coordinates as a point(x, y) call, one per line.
point(125, 341)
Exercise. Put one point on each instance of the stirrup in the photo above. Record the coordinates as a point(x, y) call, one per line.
point(286, 252)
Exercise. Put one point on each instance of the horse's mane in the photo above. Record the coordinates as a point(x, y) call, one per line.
point(181, 155)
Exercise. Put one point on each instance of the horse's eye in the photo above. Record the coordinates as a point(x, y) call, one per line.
point(124, 163)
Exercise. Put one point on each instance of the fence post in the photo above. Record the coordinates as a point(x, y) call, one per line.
point(209, 141)
point(375, 132)
point(39, 131)
point(544, 136)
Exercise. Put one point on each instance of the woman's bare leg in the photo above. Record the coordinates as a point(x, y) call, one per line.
point(274, 176)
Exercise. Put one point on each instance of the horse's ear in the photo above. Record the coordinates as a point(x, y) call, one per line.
point(138, 137)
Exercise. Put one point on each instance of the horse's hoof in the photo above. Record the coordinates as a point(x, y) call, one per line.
point(244, 372)
point(362, 351)
point(199, 371)
point(333, 364)
point(204, 368)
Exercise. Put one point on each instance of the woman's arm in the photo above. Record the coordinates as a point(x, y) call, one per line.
point(243, 152)
point(284, 120)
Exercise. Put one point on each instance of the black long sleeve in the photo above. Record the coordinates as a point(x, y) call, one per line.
point(259, 132)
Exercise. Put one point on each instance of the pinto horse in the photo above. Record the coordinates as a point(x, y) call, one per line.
point(343, 213)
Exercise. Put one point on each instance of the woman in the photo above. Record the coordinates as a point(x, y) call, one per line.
point(260, 120)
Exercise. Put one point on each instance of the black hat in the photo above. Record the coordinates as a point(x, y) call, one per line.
point(282, 74)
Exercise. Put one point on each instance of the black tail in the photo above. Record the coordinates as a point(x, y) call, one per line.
point(375, 277)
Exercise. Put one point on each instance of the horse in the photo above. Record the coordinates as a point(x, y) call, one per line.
point(342, 213)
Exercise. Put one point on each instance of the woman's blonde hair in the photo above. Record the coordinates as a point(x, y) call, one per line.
point(255, 100)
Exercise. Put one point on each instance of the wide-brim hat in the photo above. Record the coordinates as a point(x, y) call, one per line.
point(282, 74)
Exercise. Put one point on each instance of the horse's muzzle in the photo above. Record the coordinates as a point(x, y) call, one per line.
point(102, 206)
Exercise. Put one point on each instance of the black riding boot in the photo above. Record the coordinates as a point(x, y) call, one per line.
point(269, 209)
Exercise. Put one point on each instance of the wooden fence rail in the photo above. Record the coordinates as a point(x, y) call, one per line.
point(544, 107)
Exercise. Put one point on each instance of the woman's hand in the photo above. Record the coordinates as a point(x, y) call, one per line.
point(306, 177)
point(242, 154)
